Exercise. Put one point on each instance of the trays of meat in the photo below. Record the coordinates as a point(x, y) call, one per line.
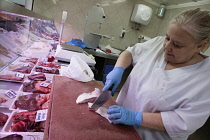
point(42, 87)
point(11, 76)
point(23, 65)
point(31, 102)
point(22, 136)
point(22, 122)
point(7, 97)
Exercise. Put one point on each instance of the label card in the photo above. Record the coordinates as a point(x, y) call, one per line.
point(41, 115)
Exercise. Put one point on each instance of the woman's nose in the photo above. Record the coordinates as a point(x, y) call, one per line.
point(168, 46)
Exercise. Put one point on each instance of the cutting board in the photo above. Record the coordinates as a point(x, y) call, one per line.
point(70, 121)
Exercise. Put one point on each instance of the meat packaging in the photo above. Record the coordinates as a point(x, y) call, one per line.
point(37, 77)
point(11, 77)
point(43, 87)
point(25, 122)
point(32, 102)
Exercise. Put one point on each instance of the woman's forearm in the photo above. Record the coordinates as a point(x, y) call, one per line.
point(153, 121)
point(124, 60)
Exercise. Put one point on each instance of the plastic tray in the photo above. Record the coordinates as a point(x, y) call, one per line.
point(12, 106)
point(9, 101)
point(9, 123)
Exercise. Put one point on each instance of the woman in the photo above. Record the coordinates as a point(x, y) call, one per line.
point(166, 95)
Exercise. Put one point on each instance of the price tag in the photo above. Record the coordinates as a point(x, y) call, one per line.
point(47, 68)
point(41, 115)
point(44, 84)
point(25, 64)
point(44, 59)
point(11, 94)
point(20, 75)
point(46, 63)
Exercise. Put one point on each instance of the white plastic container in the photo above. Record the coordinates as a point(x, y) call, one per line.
point(141, 14)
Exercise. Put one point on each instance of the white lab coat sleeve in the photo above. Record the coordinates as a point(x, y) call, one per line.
point(185, 120)
point(141, 48)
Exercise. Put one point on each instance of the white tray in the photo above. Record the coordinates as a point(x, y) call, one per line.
point(9, 101)
point(9, 123)
point(12, 106)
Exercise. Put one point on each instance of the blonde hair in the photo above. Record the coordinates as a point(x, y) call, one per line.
point(196, 22)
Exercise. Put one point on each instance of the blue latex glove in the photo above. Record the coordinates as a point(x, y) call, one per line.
point(122, 115)
point(113, 78)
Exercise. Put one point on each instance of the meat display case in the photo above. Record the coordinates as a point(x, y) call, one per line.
point(26, 38)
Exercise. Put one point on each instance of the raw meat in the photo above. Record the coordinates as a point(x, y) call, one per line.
point(22, 68)
point(32, 102)
point(25, 116)
point(35, 86)
point(91, 97)
point(47, 70)
point(25, 122)
point(101, 111)
point(37, 77)
point(44, 101)
point(11, 77)
point(32, 60)
point(88, 97)
point(43, 89)
point(3, 118)
point(27, 102)
point(49, 64)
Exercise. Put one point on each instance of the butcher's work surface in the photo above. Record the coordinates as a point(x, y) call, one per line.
point(70, 121)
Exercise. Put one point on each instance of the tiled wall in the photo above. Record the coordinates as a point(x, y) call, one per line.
point(117, 17)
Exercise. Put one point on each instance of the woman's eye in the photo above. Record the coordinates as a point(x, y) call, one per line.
point(167, 38)
point(177, 46)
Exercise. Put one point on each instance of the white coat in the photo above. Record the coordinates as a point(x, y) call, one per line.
point(181, 95)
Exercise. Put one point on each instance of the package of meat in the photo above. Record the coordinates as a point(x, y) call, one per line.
point(7, 97)
point(39, 76)
point(30, 102)
point(11, 76)
point(24, 123)
point(23, 65)
point(42, 87)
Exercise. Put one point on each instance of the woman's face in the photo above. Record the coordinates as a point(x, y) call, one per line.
point(179, 46)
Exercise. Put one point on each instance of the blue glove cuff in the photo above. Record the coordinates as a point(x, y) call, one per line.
point(138, 119)
point(121, 69)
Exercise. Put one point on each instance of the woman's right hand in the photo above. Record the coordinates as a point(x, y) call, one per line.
point(113, 78)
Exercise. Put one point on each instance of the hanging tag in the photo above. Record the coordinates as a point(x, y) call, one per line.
point(41, 115)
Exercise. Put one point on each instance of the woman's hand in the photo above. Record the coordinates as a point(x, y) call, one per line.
point(113, 78)
point(121, 115)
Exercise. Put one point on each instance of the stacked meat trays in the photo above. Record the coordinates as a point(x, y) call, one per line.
point(23, 112)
